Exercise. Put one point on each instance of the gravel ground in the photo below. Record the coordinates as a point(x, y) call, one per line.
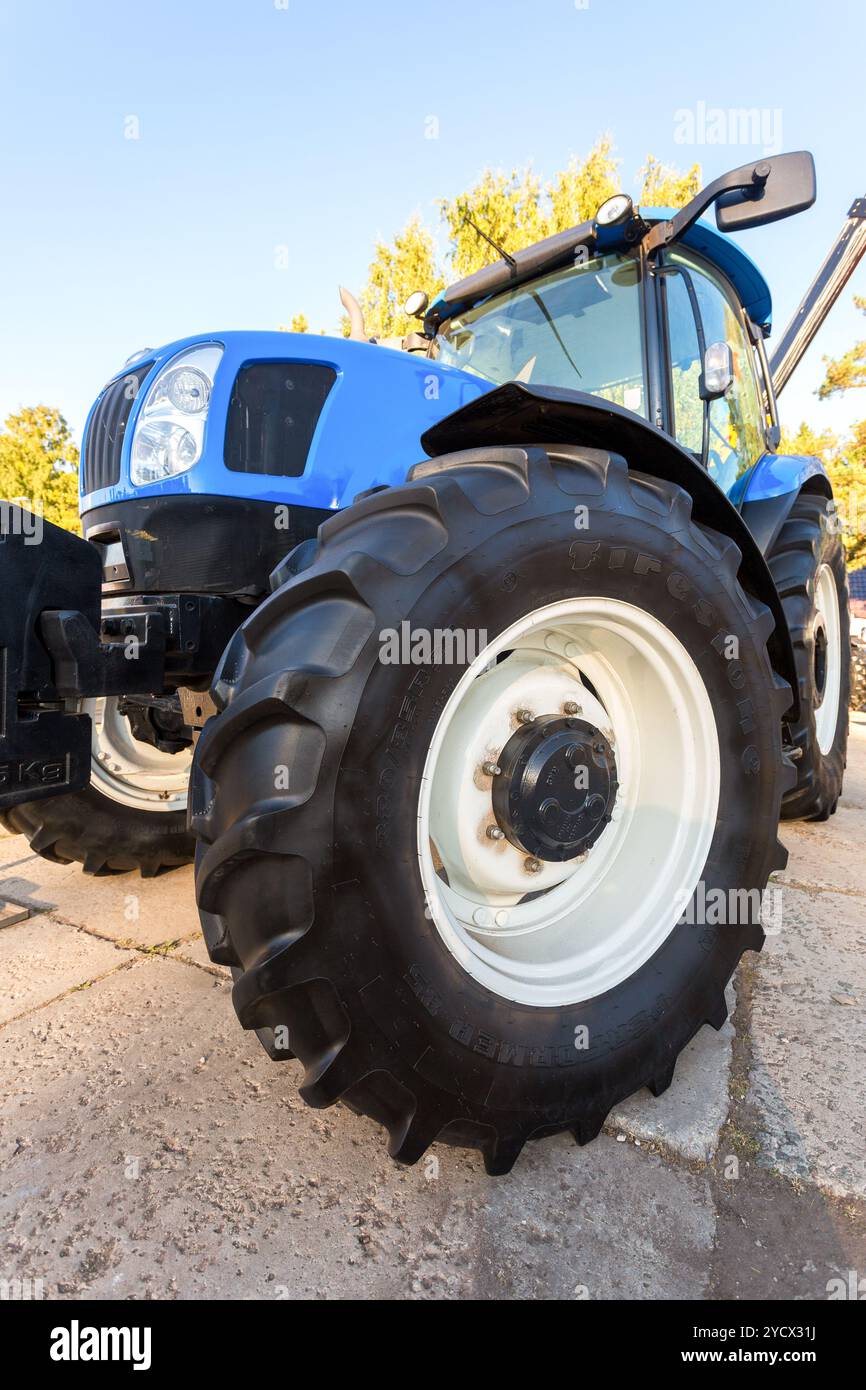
point(149, 1149)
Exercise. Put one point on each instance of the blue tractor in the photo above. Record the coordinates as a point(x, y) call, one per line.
point(474, 672)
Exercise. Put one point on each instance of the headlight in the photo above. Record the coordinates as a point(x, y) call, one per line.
point(169, 432)
point(188, 389)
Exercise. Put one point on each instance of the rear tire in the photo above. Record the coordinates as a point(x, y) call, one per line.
point(808, 564)
point(308, 786)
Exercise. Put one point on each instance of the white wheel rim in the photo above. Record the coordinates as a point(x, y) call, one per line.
point(599, 917)
point(131, 772)
point(827, 639)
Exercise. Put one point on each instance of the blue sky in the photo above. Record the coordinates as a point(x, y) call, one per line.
point(302, 124)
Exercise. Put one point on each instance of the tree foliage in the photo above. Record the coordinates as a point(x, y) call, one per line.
point(515, 209)
point(664, 187)
point(847, 371)
point(39, 464)
point(407, 264)
point(579, 189)
point(508, 207)
point(845, 462)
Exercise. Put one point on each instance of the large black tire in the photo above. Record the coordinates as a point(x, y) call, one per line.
point(102, 835)
point(312, 893)
point(809, 540)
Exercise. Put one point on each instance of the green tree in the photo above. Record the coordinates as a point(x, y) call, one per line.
point(579, 190)
point(664, 187)
point(297, 324)
point(39, 464)
point(514, 209)
point(407, 264)
point(848, 371)
point(509, 209)
point(845, 462)
point(848, 476)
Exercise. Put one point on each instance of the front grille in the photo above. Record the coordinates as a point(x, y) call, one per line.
point(273, 413)
point(107, 428)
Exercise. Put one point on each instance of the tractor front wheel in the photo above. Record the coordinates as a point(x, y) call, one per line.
point(492, 798)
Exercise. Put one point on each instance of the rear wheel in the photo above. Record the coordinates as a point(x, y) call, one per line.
point(131, 816)
point(480, 768)
point(808, 565)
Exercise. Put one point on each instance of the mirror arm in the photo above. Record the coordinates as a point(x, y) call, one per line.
point(663, 233)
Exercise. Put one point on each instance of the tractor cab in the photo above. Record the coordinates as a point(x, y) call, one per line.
point(673, 338)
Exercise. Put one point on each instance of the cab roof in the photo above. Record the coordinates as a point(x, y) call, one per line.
point(546, 255)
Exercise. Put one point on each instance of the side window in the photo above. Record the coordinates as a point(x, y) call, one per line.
point(737, 420)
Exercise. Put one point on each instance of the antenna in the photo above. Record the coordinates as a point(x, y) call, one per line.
point(509, 260)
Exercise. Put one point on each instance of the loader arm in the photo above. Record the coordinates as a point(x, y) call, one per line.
point(834, 274)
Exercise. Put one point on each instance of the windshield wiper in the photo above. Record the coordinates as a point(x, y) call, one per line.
point(556, 333)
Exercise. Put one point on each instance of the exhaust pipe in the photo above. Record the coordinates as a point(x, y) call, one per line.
point(821, 295)
point(356, 316)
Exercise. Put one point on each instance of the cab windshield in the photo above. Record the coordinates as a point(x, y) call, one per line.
point(578, 327)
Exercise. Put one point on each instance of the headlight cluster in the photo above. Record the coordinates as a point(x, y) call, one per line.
point(169, 434)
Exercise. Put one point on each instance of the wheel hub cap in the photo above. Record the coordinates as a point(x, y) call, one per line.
point(556, 789)
point(542, 893)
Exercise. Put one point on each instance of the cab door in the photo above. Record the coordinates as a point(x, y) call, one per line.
point(737, 420)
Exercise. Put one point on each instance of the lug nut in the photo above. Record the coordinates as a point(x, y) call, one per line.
point(532, 866)
point(526, 716)
point(571, 707)
point(494, 833)
point(491, 769)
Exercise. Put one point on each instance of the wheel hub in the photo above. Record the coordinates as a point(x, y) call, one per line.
point(556, 788)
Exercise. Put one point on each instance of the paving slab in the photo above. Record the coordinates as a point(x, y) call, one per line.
point(808, 1028)
point(824, 860)
point(125, 907)
point(41, 959)
point(149, 1149)
point(606, 1221)
point(808, 1019)
point(689, 1116)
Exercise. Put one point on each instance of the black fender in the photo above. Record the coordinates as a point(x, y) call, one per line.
point(520, 414)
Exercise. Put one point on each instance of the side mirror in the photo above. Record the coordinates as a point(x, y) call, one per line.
point(718, 371)
point(746, 197)
point(782, 185)
point(416, 304)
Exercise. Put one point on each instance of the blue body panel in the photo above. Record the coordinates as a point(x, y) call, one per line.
point(368, 433)
point(774, 475)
